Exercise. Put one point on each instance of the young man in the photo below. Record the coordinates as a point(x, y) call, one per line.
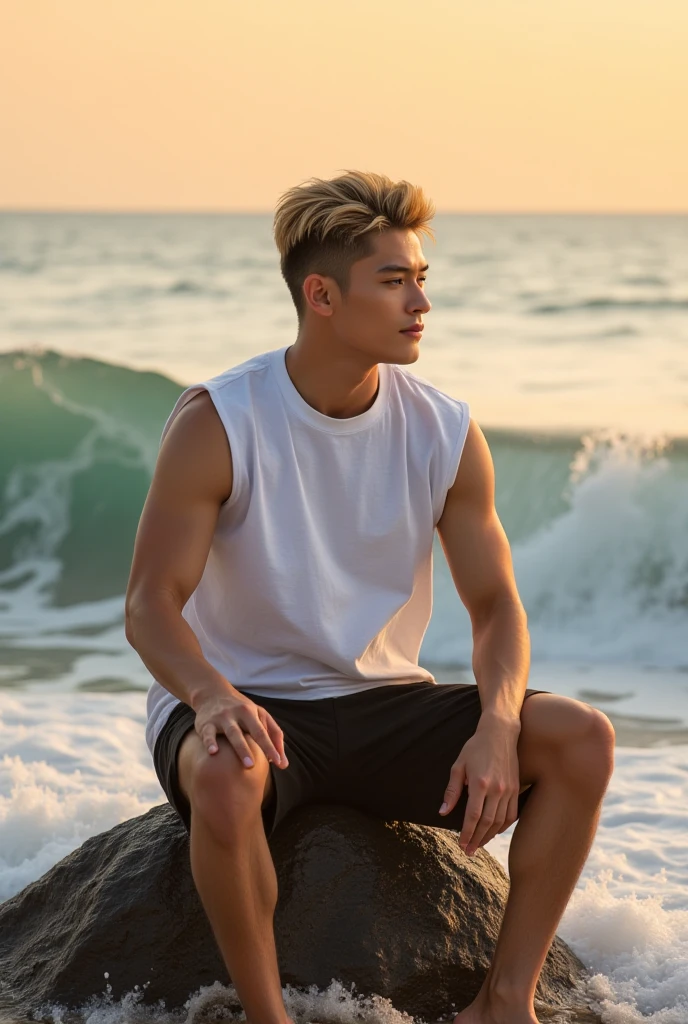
point(281, 586)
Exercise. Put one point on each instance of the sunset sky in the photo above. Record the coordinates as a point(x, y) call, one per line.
point(502, 105)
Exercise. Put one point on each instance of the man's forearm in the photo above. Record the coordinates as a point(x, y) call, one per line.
point(169, 649)
point(501, 662)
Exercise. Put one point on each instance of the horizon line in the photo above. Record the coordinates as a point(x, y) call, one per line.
point(268, 212)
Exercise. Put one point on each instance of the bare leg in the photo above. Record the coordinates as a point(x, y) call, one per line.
point(233, 869)
point(566, 753)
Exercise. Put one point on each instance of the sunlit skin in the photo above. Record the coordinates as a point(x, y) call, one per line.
point(333, 363)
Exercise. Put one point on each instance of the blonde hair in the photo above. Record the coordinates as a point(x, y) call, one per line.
point(323, 226)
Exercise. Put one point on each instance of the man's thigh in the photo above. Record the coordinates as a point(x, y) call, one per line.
point(398, 744)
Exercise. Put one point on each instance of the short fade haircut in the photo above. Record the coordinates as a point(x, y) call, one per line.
point(323, 226)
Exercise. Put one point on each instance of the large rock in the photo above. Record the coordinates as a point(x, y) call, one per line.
point(398, 909)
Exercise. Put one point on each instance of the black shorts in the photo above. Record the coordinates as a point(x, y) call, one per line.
point(387, 751)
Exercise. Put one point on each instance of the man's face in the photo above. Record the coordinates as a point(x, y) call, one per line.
point(381, 303)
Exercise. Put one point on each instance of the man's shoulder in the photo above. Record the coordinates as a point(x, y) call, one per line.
point(255, 365)
point(417, 390)
point(222, 394)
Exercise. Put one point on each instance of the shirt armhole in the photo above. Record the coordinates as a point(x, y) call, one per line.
point(454, 460)
point(234, 445)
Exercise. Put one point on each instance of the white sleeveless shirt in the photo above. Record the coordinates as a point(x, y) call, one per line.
point(318, 582)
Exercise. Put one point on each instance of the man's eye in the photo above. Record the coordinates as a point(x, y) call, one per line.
point(401, 280)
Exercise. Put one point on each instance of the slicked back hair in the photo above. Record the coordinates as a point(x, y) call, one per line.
point(323, 226)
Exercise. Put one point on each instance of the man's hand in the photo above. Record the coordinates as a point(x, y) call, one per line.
point(488, 764)
point(234, 715)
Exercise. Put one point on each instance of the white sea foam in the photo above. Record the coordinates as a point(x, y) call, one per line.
point(73, 765)
point(76, 764)
point(332, 1005)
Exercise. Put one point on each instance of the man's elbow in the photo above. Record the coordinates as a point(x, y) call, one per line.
point(135, 605)
point(494, 607)
point(130, 623)
point(141, 602)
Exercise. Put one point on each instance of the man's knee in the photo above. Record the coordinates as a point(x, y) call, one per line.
point(223, 794)
point(566, 736)
point(596, 748)
point(587, 756)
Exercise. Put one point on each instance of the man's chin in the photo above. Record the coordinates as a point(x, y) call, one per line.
point(409, 352)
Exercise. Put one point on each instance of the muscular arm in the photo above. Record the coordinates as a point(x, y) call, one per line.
point(479, 558)
point(192, 479)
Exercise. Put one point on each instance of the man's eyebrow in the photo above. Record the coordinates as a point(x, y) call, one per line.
point(398, 267)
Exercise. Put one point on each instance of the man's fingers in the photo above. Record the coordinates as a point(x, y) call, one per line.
point(485, 828)
point(511, 813)
point(209, 738)
point(277, 737)
point(251, 720)
point(255, 727)
point(474, 809)
point(237, 742)
point(498, 826)
point(457, 778)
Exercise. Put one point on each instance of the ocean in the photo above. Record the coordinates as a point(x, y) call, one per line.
point(567, 335)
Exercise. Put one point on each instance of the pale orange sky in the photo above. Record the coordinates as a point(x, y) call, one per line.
point(508, 105)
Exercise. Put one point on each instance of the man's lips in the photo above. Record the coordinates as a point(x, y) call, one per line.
point(413, 329)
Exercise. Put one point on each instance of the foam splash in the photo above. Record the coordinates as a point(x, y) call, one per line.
point(334, 1005)
point(638, 952)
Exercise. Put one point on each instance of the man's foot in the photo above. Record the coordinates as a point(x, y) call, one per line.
point(495, 1009)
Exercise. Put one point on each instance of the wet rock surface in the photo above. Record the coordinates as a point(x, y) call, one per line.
point(395, 909)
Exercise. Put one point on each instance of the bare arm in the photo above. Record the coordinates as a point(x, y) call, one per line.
point(192, 478)
point(479, 557)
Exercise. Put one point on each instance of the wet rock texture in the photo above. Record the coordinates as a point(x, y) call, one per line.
point(394, 908)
